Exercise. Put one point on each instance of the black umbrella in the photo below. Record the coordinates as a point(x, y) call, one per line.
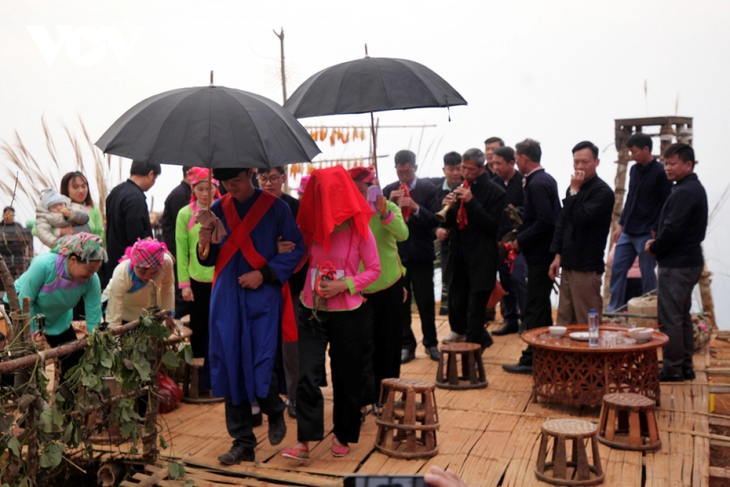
point(209, 126)
point(371, 85)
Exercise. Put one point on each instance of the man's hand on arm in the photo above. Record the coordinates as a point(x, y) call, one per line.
point(442, 234)
point(395, 195)
point(406, 202)
point(463, 193)
point(251, 280)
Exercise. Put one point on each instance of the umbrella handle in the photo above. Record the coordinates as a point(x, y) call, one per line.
point(204, 251)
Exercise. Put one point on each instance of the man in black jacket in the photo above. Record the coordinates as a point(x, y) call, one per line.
point(677, 247)
point(175, 201)
point(649, 188)
point(541, 211)
point(417, 253)
point(127, 215)
point(445, 185)
point(16, 244)
point(513, 277)
point(580, 238)
point(472, 267)
point(272, 181)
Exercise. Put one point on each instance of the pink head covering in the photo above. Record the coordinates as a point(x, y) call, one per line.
point(363, 174)
point(199, 175)
point(303, 184)
point(146, 253)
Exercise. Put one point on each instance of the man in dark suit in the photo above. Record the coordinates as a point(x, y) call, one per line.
point(417, 253)
point(472, 267)
point(512, 276)
point(540, 215)
point(445, 185)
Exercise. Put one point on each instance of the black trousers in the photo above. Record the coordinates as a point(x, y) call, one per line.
point(382, 356)
point(71, 359)
point(345, 333)
point(538, 310)
point(467, 307)
point(199, 316)
point(419, 277)
point(674, 300)
point(182, 307)
point(239, 421)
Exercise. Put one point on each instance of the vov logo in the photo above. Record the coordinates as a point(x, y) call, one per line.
point(86, 45)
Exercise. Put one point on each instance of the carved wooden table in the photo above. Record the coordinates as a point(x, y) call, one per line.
point(571, 372)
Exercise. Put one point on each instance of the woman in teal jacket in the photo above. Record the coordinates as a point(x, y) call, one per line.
point(56, 281)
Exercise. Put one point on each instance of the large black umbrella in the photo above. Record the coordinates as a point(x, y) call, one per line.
point(371, 85)
point(209, 126)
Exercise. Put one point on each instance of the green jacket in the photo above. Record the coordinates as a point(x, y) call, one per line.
point(186, 239)
point(387, 233)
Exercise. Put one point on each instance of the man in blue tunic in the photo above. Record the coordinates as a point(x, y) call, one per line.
point(246, 306)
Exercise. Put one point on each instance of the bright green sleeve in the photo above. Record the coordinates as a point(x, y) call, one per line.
point(183, 246)
point(96, 223)
point(396, 225)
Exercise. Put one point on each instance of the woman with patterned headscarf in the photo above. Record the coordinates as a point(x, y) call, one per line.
point(56, 281)
point(147, 260)
point(196, 280)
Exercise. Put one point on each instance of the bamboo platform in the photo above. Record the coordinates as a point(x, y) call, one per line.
point(490, 437)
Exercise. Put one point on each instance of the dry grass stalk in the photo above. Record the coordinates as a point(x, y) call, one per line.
point(33, 177)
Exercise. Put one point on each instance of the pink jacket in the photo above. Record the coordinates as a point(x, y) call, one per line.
point(346, 252)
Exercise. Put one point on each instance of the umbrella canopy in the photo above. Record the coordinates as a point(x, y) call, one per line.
point(371, 85)
point(209, 126)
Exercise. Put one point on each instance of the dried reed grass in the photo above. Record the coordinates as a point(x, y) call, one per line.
point(22, 168)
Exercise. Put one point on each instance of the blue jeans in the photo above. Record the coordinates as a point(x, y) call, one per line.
point(627, 248)
point(515, 285)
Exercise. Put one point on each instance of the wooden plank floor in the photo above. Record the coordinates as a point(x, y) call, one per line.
point(489, 436)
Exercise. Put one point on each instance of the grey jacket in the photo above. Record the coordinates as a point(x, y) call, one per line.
point(47, 222)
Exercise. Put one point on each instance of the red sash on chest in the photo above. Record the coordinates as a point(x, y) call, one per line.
point(240, 239)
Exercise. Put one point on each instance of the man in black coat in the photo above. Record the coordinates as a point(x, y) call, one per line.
point(580, 238)
point(512, 276)
point(175, 201)
point(272, 181)
point(16, 244)
point(472, 267)
point(445, 185)
point(680, 231)
point(417, 253)
point(540, 214)
point(127, 215)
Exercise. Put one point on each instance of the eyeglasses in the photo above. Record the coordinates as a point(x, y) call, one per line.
point(270, 179)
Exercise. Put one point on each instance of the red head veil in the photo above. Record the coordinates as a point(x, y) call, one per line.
point(330, 199)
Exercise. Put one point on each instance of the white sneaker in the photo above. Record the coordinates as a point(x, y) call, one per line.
point(453, 337)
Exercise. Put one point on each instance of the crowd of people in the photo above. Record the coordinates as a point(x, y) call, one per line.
point(272, 282)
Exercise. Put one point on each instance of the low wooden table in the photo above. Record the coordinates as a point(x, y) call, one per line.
point(571, 372)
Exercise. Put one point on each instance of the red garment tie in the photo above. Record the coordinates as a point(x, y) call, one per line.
point(461, 218)
point(511, 256)
point(406, 212)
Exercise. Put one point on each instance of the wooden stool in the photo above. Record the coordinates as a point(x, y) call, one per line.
point(403, 419)
point(191, 384)
point(583, 472)
point(472, 367)
point(636, 428)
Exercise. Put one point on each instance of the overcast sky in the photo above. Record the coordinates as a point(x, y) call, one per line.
point(559, 71)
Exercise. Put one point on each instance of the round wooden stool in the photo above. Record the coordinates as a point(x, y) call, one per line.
point(191, 383)
point(557, 471)
point(628, 422)
point(472, 367)
point(403, 418)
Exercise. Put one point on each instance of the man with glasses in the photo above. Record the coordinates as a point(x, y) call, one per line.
point(272, 181)
point(418, 199)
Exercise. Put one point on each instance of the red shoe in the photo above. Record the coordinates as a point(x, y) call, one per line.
point(296, 453)
point(339, 450)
